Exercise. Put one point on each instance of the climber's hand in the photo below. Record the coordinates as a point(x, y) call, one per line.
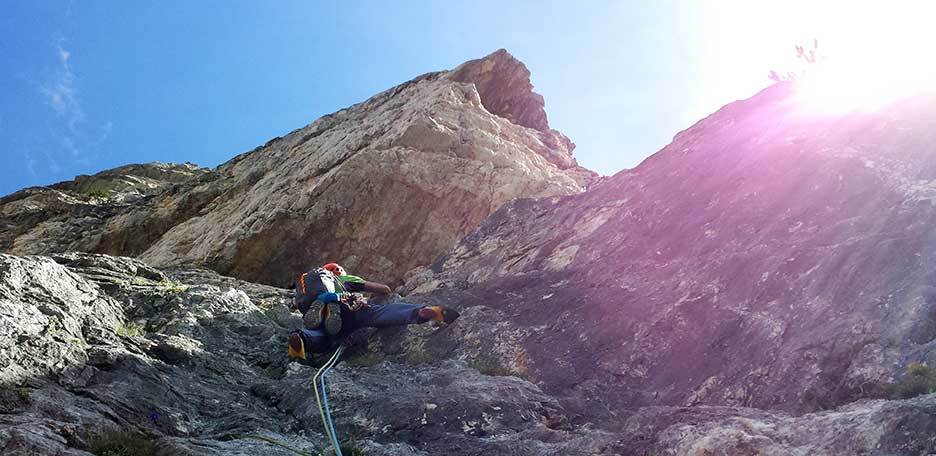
point(356, 301)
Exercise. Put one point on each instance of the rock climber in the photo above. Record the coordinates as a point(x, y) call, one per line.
point(332, 307)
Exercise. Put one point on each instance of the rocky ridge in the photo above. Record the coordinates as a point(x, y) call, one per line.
point(118, 211)
point(363, 184)
point(769, 257)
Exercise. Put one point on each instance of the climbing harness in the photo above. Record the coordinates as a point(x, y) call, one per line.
point(322, 398)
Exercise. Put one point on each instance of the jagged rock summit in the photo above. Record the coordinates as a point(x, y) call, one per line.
point(385, 185)
point(504, 86)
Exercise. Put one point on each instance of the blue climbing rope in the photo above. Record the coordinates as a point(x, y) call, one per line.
point(331, 425)
point(322, 399)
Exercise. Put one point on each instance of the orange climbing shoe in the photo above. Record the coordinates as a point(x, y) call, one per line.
point(296, 346)
point(437, 313)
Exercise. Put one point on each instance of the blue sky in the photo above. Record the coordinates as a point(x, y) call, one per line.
point(86, 86)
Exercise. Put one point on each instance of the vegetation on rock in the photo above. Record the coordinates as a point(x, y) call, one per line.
point(123, 443)
point(920, 379)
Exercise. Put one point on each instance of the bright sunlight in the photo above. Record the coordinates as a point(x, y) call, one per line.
point(876, 54)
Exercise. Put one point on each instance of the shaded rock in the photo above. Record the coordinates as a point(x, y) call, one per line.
point(176, 350)
point(862, 428)
point(768, 257)
point(13, 400)
point(447, 409)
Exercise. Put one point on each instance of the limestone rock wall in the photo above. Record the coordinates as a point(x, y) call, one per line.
point(383, 186)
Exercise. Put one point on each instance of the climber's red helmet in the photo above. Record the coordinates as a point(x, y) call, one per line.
point(335, 268)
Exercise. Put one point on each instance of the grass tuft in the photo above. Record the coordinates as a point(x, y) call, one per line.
point(140, 281)
point(171, 287)
point(351, 449)
point(97, 193)
point(25, 394)
point(920, 379)
point(130, 329)
point(165, 287)
point(122, 443)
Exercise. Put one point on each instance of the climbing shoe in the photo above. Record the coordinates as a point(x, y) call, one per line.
point(296, 346)
point(437, 313)
point(314, 316)
point(333, 318)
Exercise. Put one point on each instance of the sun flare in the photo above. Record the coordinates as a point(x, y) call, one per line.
point(873, 62)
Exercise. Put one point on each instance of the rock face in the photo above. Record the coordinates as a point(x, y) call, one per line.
point(119, 211)
point(195, 362)
point(504, 86)
point(862, 428)
point(92, 343)
point(758, 287)
point(384, 186)
point(768, 257)
point(503, 83)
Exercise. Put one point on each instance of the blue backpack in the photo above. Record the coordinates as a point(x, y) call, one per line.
point(313, 283)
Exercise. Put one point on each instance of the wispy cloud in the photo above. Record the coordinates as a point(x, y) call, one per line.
point(59, 91)
point(71, 133)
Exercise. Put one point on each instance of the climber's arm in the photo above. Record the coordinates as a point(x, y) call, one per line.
point(357, 285)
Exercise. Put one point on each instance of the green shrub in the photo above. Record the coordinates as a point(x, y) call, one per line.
point(165, 287)
point(918, 369)
point(97, 193)
point(140, 281)
point(920, 379)
point(123, 444)
point(350, 449)
point(130, 329)
point(171, 287)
